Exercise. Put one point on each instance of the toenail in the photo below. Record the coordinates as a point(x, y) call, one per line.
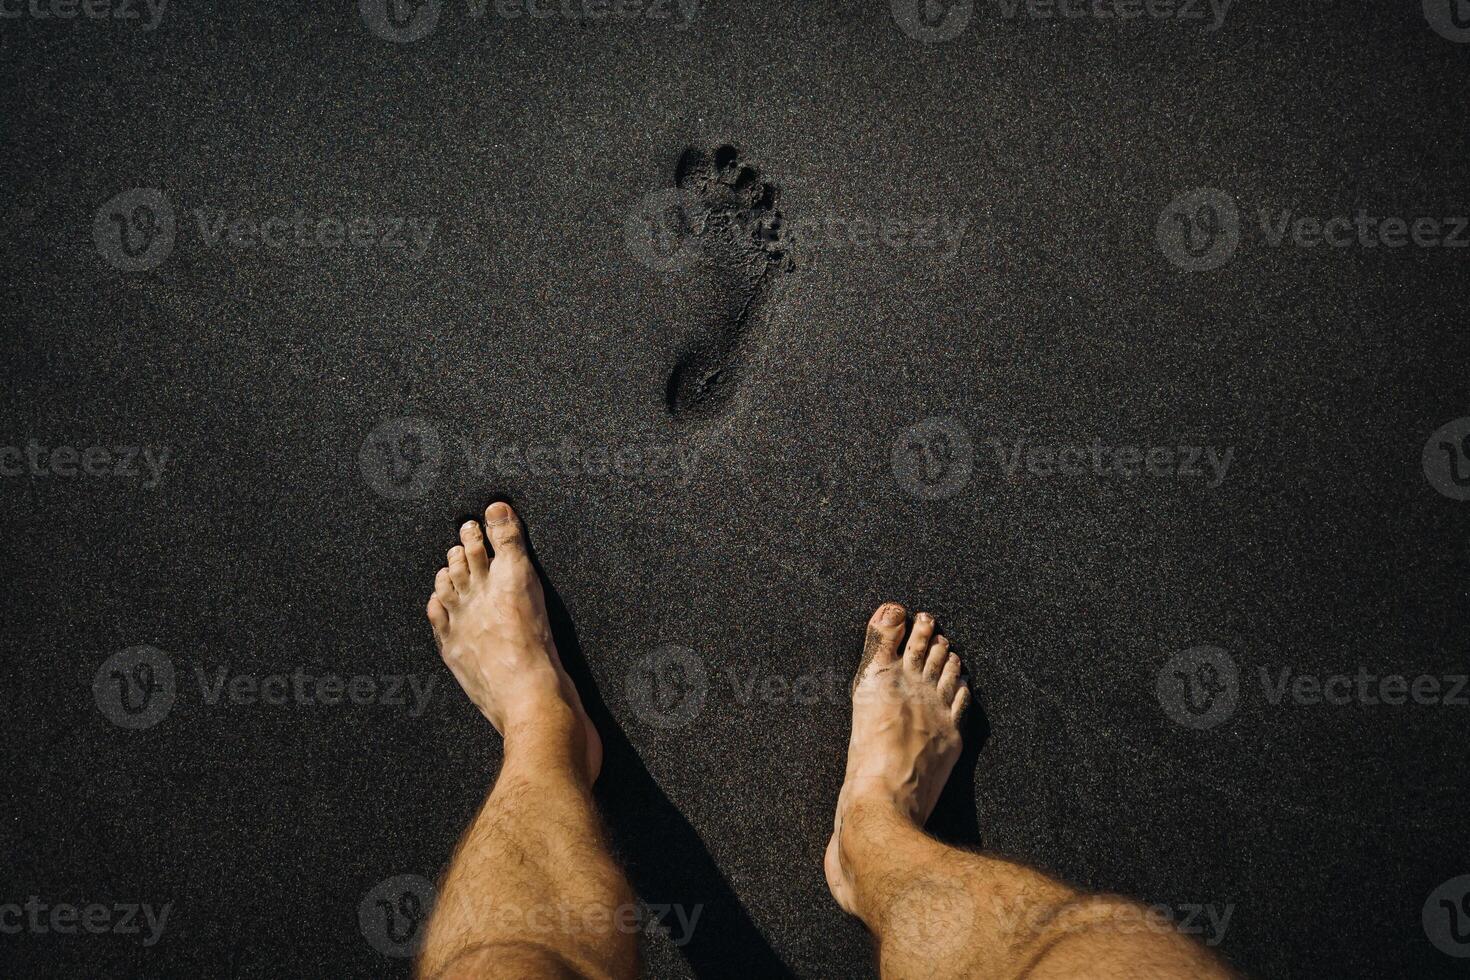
point(470, 526)
point(892, 616)
point(922, 617)
point(498, 514)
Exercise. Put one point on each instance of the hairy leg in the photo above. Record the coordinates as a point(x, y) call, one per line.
point(938, 911)
point(532, 890)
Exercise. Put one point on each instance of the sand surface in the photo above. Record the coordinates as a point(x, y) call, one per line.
point(973, 334)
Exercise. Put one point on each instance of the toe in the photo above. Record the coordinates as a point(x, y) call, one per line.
point(880, 646)
point(885, 630)
point(505, 532)
point(459, 568)
point(949, 679)
point(960, 705)
point(919, 636)
point(444, 589)
point(474, 548)
point(438, 615)
point(938, 657)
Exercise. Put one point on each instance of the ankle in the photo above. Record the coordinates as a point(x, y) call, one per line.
point(546, 735)
point(871, 799)
point(538, 699)
point(868, 822)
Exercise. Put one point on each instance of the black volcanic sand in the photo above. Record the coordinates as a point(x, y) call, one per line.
point(717, 537)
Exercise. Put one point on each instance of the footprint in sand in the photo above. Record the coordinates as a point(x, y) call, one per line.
point(730, 233)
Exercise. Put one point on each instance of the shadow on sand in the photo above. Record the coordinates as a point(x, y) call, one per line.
point(666, 862)
point(664, 857)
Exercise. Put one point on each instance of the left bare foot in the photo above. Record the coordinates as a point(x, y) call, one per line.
point(489, 618)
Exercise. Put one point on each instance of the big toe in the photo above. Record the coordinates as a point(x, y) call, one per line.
point(885, 632)
point(506, 535)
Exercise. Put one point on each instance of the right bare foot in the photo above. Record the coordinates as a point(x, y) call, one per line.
point(489, 619)
point(905, 738)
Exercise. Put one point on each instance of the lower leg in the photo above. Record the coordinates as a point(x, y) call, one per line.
point(531, 890)
point(938, 911)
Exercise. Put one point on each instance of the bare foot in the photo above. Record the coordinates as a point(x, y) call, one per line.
point(905, 739)
point(489, 618)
